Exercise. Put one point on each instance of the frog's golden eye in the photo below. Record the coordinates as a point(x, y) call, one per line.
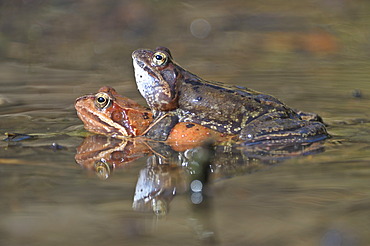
point(159, 58)
point(102, 100)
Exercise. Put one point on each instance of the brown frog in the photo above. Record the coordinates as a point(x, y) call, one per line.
point(108, 113)
point(249, 114)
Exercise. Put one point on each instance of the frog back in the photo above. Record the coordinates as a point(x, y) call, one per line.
point(225, 108)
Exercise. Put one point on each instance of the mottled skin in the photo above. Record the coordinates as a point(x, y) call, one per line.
point(251, 115)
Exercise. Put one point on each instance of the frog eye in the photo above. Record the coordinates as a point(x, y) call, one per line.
point(102, 100)
point(159, 58)
point(102, 169)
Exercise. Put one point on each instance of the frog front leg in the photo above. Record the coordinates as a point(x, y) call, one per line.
point(162, 125)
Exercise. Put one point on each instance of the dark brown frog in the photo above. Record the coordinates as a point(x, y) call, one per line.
point(251, 115)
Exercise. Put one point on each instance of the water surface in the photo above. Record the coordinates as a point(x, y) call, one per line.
point(312, 55)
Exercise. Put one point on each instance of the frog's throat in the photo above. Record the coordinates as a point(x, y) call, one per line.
point(148, 81)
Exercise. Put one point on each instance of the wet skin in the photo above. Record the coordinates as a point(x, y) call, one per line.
point(108, 113)
point(249, 114)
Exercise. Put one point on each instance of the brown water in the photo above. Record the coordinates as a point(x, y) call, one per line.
point(313, 55)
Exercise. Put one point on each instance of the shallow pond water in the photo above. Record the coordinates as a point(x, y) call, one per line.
point(311, 55)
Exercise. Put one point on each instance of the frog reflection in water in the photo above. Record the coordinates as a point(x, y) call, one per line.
point(252, 116)
point(169, 173)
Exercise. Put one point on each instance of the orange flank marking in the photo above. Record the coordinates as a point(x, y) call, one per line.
point(186, 135)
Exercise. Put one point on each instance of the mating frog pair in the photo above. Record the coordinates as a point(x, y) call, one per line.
point(185, 107)
point(108, 113)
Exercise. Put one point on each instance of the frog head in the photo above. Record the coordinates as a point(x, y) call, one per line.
point(109, 113)
point(157, 77)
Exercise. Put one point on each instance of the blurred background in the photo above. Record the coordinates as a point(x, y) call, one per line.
point(311, 54)
point(101, 34)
